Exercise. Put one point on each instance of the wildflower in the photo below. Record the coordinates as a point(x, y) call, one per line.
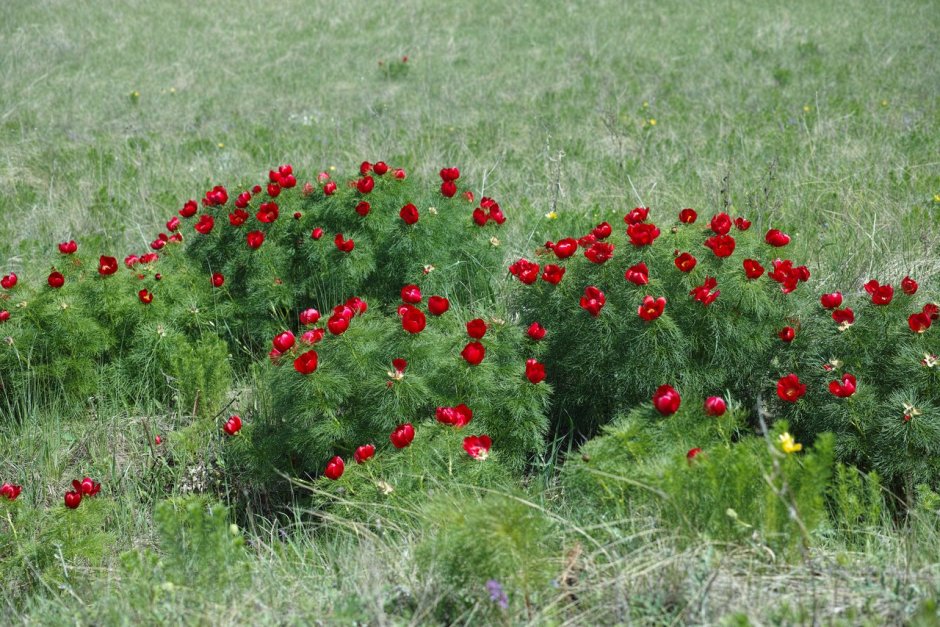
point(335, 468)
point(638, 274)
point(844, 388)
point(777, 238)
point(438, 305)
point(363, 453)
point(402, 436)
point(477, 446)
point(666, 400)
point(593, 300)
point(790, 389)
point(473, 353)
point(413, 320)
point(306, 363)
point(787, 334)
point(685, 262)
point(788, 444)
point(534, 371)
point(564, 248)
point(909, 286)
point(497, 594)
point(233, 425)
point(688, 216)
point(651, 308)
point(715, 406)
point(536, 331)
point(831, 301)
point(880, 294)
point(10, 491)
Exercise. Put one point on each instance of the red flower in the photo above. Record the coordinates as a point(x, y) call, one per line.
point(908, 286)
point(399, 174)
point(459, 416)
point(721, 245)
point(787, 334)
point(312, 336)
point(363, 453)
point(87, 486)
point(399, 365)
point(217, 279)
point(831, 301)
point(742, 224)
point(309, 316)
point(330, 188)
point(107, 265)
point(363, 208)
point(284, 341)
point(880, 294)
point(10, 491)
point(189, 209)
point(476, 328)
point(402, 436)
point(242, 200)
point(720, 223)
point(753, 269)
point(688, 216)
point(637, 215)
point(316, 233)
point(438, 305)
point(411, 294)
point(306, 363)
point(365, 167)
point(148, 258)
point(477, 446)
point(468, 195)
point(651, 308)
point(205, 224)
point(845, 388)
point(553, 273)
point(642, 234)
point(536, 331)
point(448, 189)
point(254, 239)
point(525, 271)
point(692, 454)
point(337, 324)
point(638, 274)
point(380, 168)
point(5, 315)
point(787, 275)
point(602, 230)
point(593, 300)
point(685, 262)
point(409, 213)
point(335, 468)
point(450, 174)
point(73, 499)
point(599, 252)
point(919, 322)
point(790, 389)
point(274, 190)
point(8, 282)
point(777, 238)
point(56, 280)
point(233, 425)
point(715, 406)
point(932, 310)
point(173, 224)
point(704, 294)
point(844, 316)
point(413, 320)
point(145, 297)
point(343, 245)
point(473, 353)
point(267, 212)
point(365, 184)
point(534, 371)
point(666, 400)
point(565, 247)
point(69, 247)
point(238, 217)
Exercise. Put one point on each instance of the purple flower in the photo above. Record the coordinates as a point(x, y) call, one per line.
point(497, 594)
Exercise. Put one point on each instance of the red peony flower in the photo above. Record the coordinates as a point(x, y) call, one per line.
point(69, 247)
point(233, 425)
point(189, 209)
point(306, 363)
point(438, 305)
point(343, 245)
point(790, 389)
point(312, 336)
point(637, 215)
point(238, 217)
point(787, 275)
point(316, 233)
point(651, 308)
point(844, 388)
point(399, 174)
point(908, 286)
point(173, 224)
point(476, 328)
point(753, 269)
point(448, 189)
point(473, 353)
point(335, 468)
point(525, 271)
point(932, 310)
point(844, 316)
point(242, 200)
point(364, 453)
point(268, 212)
point(602, 231)
point(380, 168)
point(450, 174)
point(638, 274)
point(565, 247)
point(309, 316)
point(685, 262)
point(692, 454)
point(5, 315)
point(73, 499)
point(553, 274)
point(10, 491)
point(787, 334)
point(831, 301)
point(365, 184)
point(107, 265)
point(255, 239)
point(742, 224)
point(704, 294)
point(145, 297)
point(919, 322)
point(688, 216)
point(337, 324)
point(56, 280)
point(477, 446)
point(599, 252)
point(409, 213)
point(9, 281)
point(205, 224)
point(330, 188)
point(459, 416)
point(365, 167)
point(402, 436)
point(721, 245)
point(363, 208)
point(666, 400)
point(274, 190)
point(642, 234)
point(536, 331)
point(284, 341)
point(413, 320)
point(880, 294)
point(534, 371)
point(87, 486)
point(720, 223)
point(777, 238)
point(593, 300)
point(715, 406)
point(411, 294)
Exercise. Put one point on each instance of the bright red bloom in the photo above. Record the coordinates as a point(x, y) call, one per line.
point(365, 167)
point(777, 238)
point(880, 294)
point(908, 286)
point(450, 174)
point(399, 365)
point(173, 224)
point(365, 184)
point(642, 234)
point(720, 223)
point(409, 213)
point(238, 217)
point(477, 446)
point(742, 224)
point(459, 416)
point(73, 499)
point(844, 316)
point(283, 341)
point(69, 247)
point(536, 331)
point(593, 300)
point(364, 453)
point(651, 308)
point(753, 269)
point(473, 353)
point(205, 224)
point(107, 265)
point(831, 301)
point(476, 328)
point(411, 294)
point(268, 212)
point(316, 234)
point(399, 174)
point(56, 280)
point(638, 274)
point(932, 310)
point(721, 245)
point(343, 245)
point(145, 297)
point(688, 216)
point(255, 239)
point(380, 168)
point(919, 322)
point(553, 274)
point(87, 486)
point(9, 281)
point(312, 336)
point(790, 389)
point(787, 334)
point(357, 305)
point(337, 324)
point(363, 208)
point(242, 200)
point(685, 262)
point(5, 315)
point(10, 491)
point(438, 305)
point(402, 436)
point(189, 209)
point(335, 468)
point(534, 371)
point(704, 294)
point(787, 275)
point(217, 279)
point(413, 320)
point(233, 425)
point(330, 188)
point(639, 214)
point(564, 248)
point(309, 316)
point(525, 271)
point(599, 252)
point(215, 197)
point(306, 363)
point(666, 400)
point(448, 189)
point(715, 406)
point(602, 230)
point(845, 388)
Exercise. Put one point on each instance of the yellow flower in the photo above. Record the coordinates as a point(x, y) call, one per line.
point(652, 121)
point(332, 168)
point(884, 103)
point(552, 215)
point(172, 90)
point(221, 145)
point(788, 444)
point(806, 108)
point(646, 104)
point(936, 197)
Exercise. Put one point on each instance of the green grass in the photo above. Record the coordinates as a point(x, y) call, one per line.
point(824, 115)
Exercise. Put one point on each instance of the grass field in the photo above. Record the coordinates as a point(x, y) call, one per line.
point(825, 116)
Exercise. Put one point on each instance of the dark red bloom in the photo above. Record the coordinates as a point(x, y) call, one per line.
point(637, 215)
point(908, 286)
point(880, 294)
point(525, 271)
point(742, 224)
point(9, 281)
point(73, 499)
point(316, 233)
point(536, 331)
point(309, 316)
point(87, 486)
point(790, 389)
point(692, 454)
point(215, 197)
point(777, 238)
point(145, 297)
point(399, 174)
point(283, 341)
point(638, 274)
point(5, 315)
point(721, 245)
point(688, 216)
point(205, 224)
point(335, 468)
point(189, 209)
point(753, 269)
point(242, 200)
point(473, 353)
point(450, 174)
point(844, 388)
point(651, 308)
point(553, 273)
point(380, 168)
point(599, 252)
point(565, 248)
point(343, 245)
point(173, 224)
point(787, 334)
point(642, 234)
point(448, 189)
point(831, 301)
point(477, 446)
point(107, 265)
point(409, 213)
point(704, 294)
point(459, 416)
point(602, 230)
point(365, 184)
point(56, 280)
point(438, 305)
point(267, 212)
point(844, 316)
point(363, 208)
point(476, 328)
point(364, 453)
point(593, 300)
point(254, 239)
point(919, 322)
point(534, 371)
point(411, 294)
point(720, 223)
point(666, 400)
point(312, 336)
point(685, 262)
point(10, 491)
point(932, 310)
point(403, 434)
point(69, 247)
point(715, 406)
point(338, 323)
point(306, 363)
point(330, 188)
point(413, 320)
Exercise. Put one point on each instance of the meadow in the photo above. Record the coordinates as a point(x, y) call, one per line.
point(820, 119)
